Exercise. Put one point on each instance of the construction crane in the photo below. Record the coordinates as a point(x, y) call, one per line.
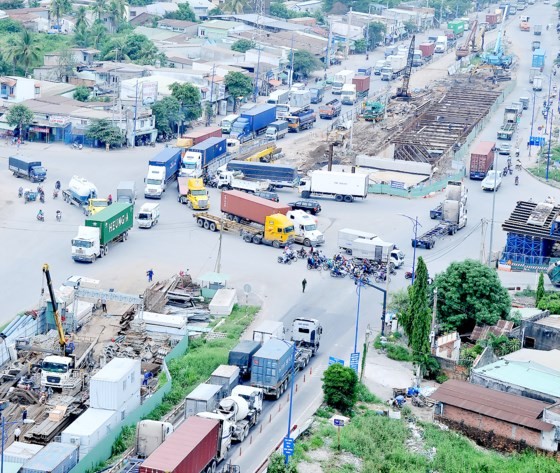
point(402, 92)
point(57, 319)
point(464, 50)
point(497, 57)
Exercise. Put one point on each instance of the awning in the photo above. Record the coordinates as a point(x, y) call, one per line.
point(8, 81)
point(38, 129)
point(274, 82)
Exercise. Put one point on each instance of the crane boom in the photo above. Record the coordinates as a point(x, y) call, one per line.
point(403, 91)
point(498, 48)
point(57, 319)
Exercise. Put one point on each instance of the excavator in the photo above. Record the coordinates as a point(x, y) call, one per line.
point(464, 50)
point(403, 92)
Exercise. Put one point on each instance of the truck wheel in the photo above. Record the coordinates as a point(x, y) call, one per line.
point(212, 227)
point(348, 198)
point(106, 250)
point(276, 244)
point(213, 466)
point(125, 236)
point(206, 224)
point(189, 204)
point(247, 238)
point(339, 198)
point(94, 258)
point(257, 240)
point(200, 222)
point(277, 396)
point(306, 194)
point(306, 242)
point(101, 252)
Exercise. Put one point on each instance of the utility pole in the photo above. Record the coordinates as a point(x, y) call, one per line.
point(387, 280)
point(483, 224)
point(290, 79)
point(328, 55)
point(493, 209)
point(256, 36)
point(434, 314)
point(135, 116)
point(211, 108)
point(348, 24)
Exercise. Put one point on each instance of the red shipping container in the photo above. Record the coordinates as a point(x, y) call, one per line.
point(482, 158)
point(187, 450)
point(492, 19)
point(361, 83)
point(250, 207)
point(427, 49)
point(198, 136)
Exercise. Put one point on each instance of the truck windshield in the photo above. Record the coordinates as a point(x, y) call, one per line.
point(144, 216)
point(337, 84)
point(82, 243)
point(289, 229)
point(310, 228)
point(189, 165)
point(199, 192)
point(153, 182)
point(100, 203)
point(54, 367)
point(292, 119)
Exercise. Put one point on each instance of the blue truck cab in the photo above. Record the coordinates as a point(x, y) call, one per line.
point(34, 171)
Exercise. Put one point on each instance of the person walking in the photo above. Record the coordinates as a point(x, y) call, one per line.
point(17, 433)
point(150, 274)
point(303, 284)
point(24, 414)
point(104, 306)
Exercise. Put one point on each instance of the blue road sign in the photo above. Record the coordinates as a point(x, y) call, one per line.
point(288, 446)
point(537, 141)
point(333, 360)
point(355, 361)
point(339, 422)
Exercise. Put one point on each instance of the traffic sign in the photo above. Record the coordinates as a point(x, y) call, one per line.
point(338, 422)
point(333, 360)
point(537, 141)
point(288, 446)
point(355, 361)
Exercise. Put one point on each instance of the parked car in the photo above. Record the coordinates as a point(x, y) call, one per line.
point(268, 195)
point(492, 181)
point(309, 206)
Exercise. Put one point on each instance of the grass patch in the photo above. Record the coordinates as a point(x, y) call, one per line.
point(364, 395)
point(398, 352)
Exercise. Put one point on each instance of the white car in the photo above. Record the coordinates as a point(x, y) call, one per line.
point(492, 181)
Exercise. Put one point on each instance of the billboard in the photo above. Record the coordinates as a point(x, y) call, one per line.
point(149, 92)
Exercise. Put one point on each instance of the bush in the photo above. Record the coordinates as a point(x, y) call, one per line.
point(365, 395)
point(398, 352)
point(340, 385)
point(441, 378)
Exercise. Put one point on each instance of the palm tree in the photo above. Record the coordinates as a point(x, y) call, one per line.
point(97, 33)
point(117, 11)
point(81, 36)
point(99, 8)
point(59, 8)
point(235, 6)
point(81, 17)
point(24, 51)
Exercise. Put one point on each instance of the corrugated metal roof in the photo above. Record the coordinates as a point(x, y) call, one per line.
point(507, 407)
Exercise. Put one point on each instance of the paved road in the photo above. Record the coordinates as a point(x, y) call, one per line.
point(177, 244)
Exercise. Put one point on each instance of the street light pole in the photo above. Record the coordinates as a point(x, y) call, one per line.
point(415, 225)
point(549, 140)
point(287, 457)
point(493, 208)
point(532, 121)
point(359, 283)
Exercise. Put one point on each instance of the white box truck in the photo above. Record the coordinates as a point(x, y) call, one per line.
point(148, 216)
point(378, 250)
point(347, 237)
point(441, 44)
point(348, 94)
point(341, 78)
point(343, 186)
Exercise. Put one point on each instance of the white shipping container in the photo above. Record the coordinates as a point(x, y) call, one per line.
point(223, 302)
point(376, 249)
point(344, 183)
point(164, 323)
point(20, 452)
point(112, 386)
point(90, 428)
point(268, 329)
point(203, 399)
point(347, 237)
point(226, 376)
point(132, 403)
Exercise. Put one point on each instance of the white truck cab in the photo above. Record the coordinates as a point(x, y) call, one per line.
point(148, 216)
point(155, 182)
point(305, 227)
point(191, 165)
point(86, 244)
point(56, 370)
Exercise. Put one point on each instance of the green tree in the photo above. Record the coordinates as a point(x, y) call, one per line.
point(168, 114)
point(304, 63)
point(243, 45)
point(376, 34)
point(469, 293)
point(340, 387)
point(410, 27)
point(59, 8)
point(7, 25)
point(97, 34)
point(105, 132)
point(24, 51)
point(190, 99)
point(11, 5)
point(99, 8)
point(400, 301)
point(280, 10)
point(540, 289)
point(360, 46)
point(420, 315)
point(81, 93)
point(81, 17)
point(184, 12)
point(19, 116)
point(215, 11)
point(81, 36)
point(134, 47)
point(238, 85)
point(235, 7)
point(117, 11)
point(140, 3)
point(502, 345)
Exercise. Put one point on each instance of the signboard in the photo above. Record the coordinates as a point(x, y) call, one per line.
point(338, 422)
point(288, 446)
point(58, 120)
point(149, 92)
point(333, 360)
point(537, 141)
point(397, 184)
point(355, 361)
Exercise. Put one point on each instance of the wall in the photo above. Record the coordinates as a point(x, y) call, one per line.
point(546, 338)
point(485, 358)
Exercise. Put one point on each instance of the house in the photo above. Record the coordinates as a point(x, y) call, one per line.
point(201, 8)
point(143, 19)
point(77, 56)
point(482, 332)
point(549, 358)
point(342, 31)
point(216, 30)
point(155, 9)
point(313, 43)
point(179, 26)
point(309, 6)
point(448, 346)
point(266, 23)
point(177, 62)
point(541, 332)
point(496, 419)
point(524, 378)
point(14, 89)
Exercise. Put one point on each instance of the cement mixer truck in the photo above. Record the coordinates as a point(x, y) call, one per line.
point(242, 410)
point(79, 193)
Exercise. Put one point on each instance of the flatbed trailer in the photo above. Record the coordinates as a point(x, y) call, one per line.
point(428, 239)
point(437, 213)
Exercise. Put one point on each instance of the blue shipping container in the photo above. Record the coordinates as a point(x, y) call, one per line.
point(210, 149)
point(271, 363)
point(538, 58)
point(279, 175)
point(168, 157)
point(54, 458)
point(242, 354)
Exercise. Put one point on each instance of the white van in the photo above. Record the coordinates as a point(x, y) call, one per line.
point(148, 216)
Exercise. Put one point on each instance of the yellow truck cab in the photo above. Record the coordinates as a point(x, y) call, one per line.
point(96, 205)
point(279, 228)
point(193, 193)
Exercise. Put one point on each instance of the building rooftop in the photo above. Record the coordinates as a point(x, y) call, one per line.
point(525, 374)
point(548, 358)
point(219, 24)
point(481, 332)
point(176, 23)
point(552, 321)
point(155, 34)
point(524, 312)
point(264, 21)
point(507, 407)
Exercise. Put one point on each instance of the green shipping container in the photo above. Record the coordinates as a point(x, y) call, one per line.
point(457, 26)
point(113, 221)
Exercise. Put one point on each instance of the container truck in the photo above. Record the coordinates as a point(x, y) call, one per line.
point(257, 220)
point(150, 434)
point(277, 130)
point(268, 329)
point(348, 94)
point(538, 59)
point(253, 122)
point(79, 193)
point(148, 216)
point(537, 83)
point(454, 218)
point(377, 250)
point(272, 366)
point(305, 227)
point(306, 333)
point(300, 98)
point(126, 192)
point(365, 71)
point(427, 49)
point(161, 170)
point(278, 97)
point(279, 175)
point(492, 20)
point(343, 186)
point(300, 121)
point(537, 30)
point(199, 135)
point(457, 26)
point(227, 123)
point(99, 231)
point(204, 398)
point(417, 58)
point(455, 190)
point(331, 109)
point(378, 66)
point(390, 51)
point(199, 158)
point(317, 94)
point(482, 158)
point(197, 446)
point(441, 44)
point(242, 356)
point(347, 237)
point(236, 180)
point(56, 457)
point(193, 193)
point(32, 170)
point(341, 78)
point(397, 65)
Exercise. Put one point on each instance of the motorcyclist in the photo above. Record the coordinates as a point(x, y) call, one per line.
point(110, 199)
point(58, 215)
point(20, 192)
point(516, 180)
point(40, 215)
point(57, 185)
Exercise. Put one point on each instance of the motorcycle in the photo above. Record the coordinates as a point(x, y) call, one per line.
point(55, 194)
point(40, 189)
point(381, 276)
point(338, 273)
point(301, 253)
point(516, 180)
point(58, 215)
point(41, 216)
point(285, 259)
point(77, 145)
point(408, 275)
point(20, 192)
point(57, 185)
point(42, 197)
point(505, 172)
point(314, 263)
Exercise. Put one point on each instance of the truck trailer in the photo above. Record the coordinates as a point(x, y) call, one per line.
point(196, 161)
point(253, 122)
point(99, 231)
point(79, 193)
point(199, 135)
point(301, 120)
point(341, 78)
point(331, 109)
point(32, 170)
point(279, 175)
point(343, 186)
point(161, 170)
point(482, 158)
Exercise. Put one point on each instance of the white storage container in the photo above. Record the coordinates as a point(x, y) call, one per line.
point(20, 452)
point(226, 376)
point(223, 302)
point(132, 403)
point(175, 325)
point(204, 398)
point(89, 429)
point(113, 385)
